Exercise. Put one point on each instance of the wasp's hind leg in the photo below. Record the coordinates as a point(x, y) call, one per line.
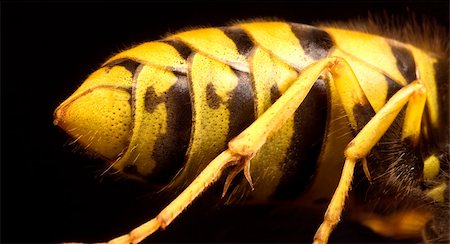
point(207, 177)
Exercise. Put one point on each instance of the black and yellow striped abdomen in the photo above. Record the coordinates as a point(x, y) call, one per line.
point(229, 87)
point(179, 101)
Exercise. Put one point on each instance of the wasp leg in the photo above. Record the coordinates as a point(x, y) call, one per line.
point(413, 117)
point(284, 107)
point(208, 176)
point(360, 146)
point(251, 139)
point(254, 136)
point(245, 145)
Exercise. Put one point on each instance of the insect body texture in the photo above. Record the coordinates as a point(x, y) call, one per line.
point(286, 104)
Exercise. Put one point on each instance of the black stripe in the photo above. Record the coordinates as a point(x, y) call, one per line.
point(131, 170)
point(242, 41)
point(396, 167)
point(274, 93)
point(241, 105)
point(300, 164)
point(393, 87)
point(212, 99)
point(440, 133)
point(405, 62)
point(315, 42)
point(152, 99)
point(170, 147)
point(362, 113)
point(128, 64)
point(394, 164)
point(181, 48)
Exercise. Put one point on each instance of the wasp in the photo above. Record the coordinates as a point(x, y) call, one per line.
point(275, 110)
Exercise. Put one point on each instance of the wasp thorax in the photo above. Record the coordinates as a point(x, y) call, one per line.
point(98, 115)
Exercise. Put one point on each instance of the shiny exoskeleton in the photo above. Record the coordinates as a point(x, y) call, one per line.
point(163, 110)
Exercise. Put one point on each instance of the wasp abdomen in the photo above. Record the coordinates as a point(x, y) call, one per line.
point(194, 91)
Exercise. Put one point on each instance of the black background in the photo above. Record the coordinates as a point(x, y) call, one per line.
point(50, 193)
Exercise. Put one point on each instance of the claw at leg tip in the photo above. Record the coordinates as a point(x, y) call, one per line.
point(247, 173)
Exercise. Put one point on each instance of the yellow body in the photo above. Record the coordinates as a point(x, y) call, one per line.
point(234, 75)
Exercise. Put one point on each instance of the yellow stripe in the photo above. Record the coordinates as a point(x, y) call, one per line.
point(372, 82)
point(426, 73)
point(116, 76)
point(212, 42)
point(269, 72)
point(210, 125)
point(158, 54)
point(373, 50)
point(103, 127)
point(147, 126)
point(278, 39)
